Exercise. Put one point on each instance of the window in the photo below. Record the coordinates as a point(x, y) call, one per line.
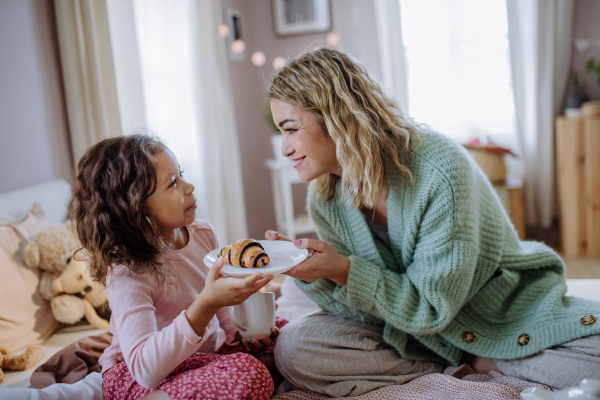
point(458, 69)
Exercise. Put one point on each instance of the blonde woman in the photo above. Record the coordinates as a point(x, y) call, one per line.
point(418, 266)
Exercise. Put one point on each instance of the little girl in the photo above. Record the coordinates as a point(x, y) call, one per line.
point(136, 219)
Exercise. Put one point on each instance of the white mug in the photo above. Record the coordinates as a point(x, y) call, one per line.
point(254, 316)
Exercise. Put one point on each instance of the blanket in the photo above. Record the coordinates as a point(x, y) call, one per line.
point(75, 362)
point(456, 383)
point(72, 363)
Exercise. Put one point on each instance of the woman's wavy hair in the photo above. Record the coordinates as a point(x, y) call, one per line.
point(365, 124)
point(115, 178)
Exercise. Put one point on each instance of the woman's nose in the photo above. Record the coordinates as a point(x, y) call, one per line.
point(286, 148)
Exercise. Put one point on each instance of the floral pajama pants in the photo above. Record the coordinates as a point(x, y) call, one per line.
point(230, 373)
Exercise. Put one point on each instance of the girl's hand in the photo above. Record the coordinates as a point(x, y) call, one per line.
point(325, 262)
point(220, 291)
point(258, 345)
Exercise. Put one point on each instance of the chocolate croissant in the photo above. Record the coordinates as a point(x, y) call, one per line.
point(245, 253)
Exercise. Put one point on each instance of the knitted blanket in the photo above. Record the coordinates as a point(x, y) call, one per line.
point(456, 383)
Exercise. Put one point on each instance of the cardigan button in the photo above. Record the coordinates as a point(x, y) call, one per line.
point(469, 336)
point(588, 320)
point(523, 339)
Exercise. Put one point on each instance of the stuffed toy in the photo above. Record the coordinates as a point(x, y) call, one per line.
point(28, 359)
point(64, 280)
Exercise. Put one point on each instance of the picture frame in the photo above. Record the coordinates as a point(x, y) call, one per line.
point(235, 25)
point(295, 17)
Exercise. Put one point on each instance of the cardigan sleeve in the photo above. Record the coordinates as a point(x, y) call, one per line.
point(437, 282)
point(322, 291)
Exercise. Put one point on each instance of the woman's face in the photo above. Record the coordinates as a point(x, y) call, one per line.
point(305, 141)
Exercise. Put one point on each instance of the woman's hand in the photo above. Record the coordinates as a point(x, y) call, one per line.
point(258, 345)
point(220, 291)
point(325, 262)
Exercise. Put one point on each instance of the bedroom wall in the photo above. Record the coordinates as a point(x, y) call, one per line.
point(586, 26)
point(34, 143)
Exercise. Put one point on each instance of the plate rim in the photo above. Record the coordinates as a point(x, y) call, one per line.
point(249, 271)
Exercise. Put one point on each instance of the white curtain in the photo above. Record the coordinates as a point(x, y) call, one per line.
point(540, 50)
point(391, 50)
point(223, 193)
point(187, 93)
point(100, 69)
point(88, 73)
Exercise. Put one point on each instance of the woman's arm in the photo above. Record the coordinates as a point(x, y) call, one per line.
point(437, 283)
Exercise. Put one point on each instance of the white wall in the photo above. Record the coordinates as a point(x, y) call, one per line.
point(34, 144)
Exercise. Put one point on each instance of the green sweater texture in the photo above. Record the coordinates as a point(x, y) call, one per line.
point(456, 269)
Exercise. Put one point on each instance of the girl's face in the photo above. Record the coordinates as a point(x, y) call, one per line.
point(305, 141)
point(173, 204)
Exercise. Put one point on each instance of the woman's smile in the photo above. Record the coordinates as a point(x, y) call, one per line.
point(298, 161)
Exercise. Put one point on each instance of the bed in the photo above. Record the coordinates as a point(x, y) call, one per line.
point(54, 197)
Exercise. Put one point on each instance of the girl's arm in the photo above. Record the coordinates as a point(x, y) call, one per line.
point(150, 355)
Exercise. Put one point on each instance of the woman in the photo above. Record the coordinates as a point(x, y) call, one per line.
point(419, 267)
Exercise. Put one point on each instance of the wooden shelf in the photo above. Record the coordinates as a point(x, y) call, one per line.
point(578, 170)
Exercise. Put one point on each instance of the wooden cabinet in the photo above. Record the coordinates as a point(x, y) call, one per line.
point(578, 169)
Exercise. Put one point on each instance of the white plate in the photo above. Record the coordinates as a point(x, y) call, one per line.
point(283, 255)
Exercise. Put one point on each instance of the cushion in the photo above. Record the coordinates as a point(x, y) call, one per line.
point(54, 197)
point(25, 318)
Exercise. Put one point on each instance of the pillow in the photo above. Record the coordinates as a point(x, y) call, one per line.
point(25, 318)
point(54, 196)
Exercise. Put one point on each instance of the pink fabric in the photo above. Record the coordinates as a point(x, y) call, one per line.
point(150, 330)
point(456, 383)
point(202, 376)
point(228, 374)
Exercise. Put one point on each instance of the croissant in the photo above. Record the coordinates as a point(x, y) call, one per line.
point(245, 253)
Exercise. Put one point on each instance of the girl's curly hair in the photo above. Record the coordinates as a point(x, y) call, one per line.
point(366, 125)
point(115, 178)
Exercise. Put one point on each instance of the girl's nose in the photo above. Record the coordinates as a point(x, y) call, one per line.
point(189, 189)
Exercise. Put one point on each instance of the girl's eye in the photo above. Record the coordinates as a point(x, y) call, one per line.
point(181, 174)
point(174, 182)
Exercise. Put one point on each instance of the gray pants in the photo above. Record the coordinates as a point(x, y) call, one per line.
point(339, 357)
point(560, 366)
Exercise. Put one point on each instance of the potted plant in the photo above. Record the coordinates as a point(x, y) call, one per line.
point(593, 67)
point(578, 96)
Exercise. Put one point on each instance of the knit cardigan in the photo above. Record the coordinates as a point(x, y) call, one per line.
point(456, 277)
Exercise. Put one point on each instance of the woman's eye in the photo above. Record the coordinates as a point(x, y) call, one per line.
point(290, 130)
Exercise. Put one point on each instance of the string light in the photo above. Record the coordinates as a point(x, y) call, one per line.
point(278, 62)
point(333, 39)
point(258, 58)
point(238, 46)
point(224, 30)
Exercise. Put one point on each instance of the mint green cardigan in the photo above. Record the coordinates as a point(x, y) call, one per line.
point(456, 277)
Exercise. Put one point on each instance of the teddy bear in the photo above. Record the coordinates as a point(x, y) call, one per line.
point(64, 279)
point(28, 359)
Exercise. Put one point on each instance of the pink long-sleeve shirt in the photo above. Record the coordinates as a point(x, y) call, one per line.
point(150, 330)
